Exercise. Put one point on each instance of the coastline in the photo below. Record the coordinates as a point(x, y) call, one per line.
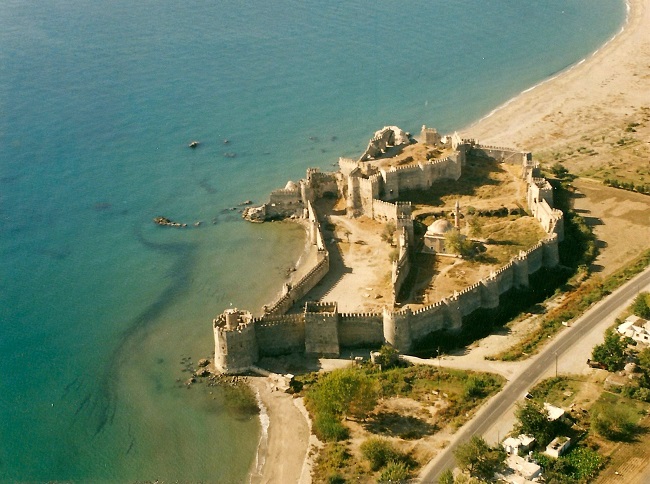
point(282, 454)
point(605, 85)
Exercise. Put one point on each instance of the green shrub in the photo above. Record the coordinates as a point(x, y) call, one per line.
point(335, 479)
point(394, 472)
point(380, 452)
point(329, 428)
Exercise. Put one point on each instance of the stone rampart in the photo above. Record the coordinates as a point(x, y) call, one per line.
point(320, 329)
point(401, 267)
point(281, 335)
point(501, 154)
point(419, 176)
point(384, 210)
point(302, 287)
point(505, 277)
point(361, 330)
point(427, 320)
point(469, 299)
point(284, 203)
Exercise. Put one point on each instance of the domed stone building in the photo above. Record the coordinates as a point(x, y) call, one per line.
point(434, 239)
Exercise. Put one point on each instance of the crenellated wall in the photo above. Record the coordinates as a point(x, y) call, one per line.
point(300, 289)
point(420, 176)
point(320, 329)
point(284, 203)
point(280, 335)
point(401, 267)
point(499, 153)
point(361, 330)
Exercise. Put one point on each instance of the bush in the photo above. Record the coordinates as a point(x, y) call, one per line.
point(335, 479)
point(640, 306)
point(329, 428)
point(394, 472)
point(475, 387)
point(388, 357)
point(380, 452)
point(613, 425)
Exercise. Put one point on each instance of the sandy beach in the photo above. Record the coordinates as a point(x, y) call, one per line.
point(603, 91)
point(610, 85)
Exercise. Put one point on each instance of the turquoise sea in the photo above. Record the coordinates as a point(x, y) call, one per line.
point(98, 100)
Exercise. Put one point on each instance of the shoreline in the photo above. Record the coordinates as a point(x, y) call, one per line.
point(287, 436)
point(553, 110)
point(555, 75)
point(548, 112)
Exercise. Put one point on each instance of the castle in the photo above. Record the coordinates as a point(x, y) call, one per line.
point(370, 188)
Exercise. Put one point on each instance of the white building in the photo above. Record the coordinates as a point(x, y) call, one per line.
point(512, 445)
point(636, 328)
point(521, 471)
point(558, 446)
point(554, 413)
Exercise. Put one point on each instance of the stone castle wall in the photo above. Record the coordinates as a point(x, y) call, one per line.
point(313, 276)
point(320, 329)
point(361, 330)
point(419, 176)
point(280, 335)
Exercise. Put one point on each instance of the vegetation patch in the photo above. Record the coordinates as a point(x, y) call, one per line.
point(373, 411)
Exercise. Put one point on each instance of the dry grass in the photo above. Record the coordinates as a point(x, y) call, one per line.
point(617, 150)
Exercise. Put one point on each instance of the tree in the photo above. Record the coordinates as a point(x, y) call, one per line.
point(613, 424)
point(558, 170)
point(478, 458)
point(456, 243)
point(640, 306)
point(344, 392)
point(475, 226)
point(644, 360)
point(388, 232)
point(379, 452)
point(612, 352)
point(387, 357)
point(533, 420)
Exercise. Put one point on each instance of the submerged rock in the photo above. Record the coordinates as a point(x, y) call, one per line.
point(164, 221)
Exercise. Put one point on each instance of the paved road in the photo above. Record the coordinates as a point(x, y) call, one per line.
point(539, 365)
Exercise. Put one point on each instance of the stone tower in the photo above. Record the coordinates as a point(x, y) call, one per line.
point(235, 343)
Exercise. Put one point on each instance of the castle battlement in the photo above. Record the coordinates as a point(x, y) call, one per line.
point(285, 192)
point(240, 339)
point(344, 316)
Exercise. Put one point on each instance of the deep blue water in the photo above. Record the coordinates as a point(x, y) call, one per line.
point(98, 101)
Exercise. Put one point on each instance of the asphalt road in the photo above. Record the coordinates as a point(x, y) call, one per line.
point(540, 365)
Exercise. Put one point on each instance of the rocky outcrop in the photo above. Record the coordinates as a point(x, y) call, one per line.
point(255, 214)
point(164, 221)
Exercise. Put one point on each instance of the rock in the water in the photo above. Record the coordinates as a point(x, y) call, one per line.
point(203, 362)
point(164, 221)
